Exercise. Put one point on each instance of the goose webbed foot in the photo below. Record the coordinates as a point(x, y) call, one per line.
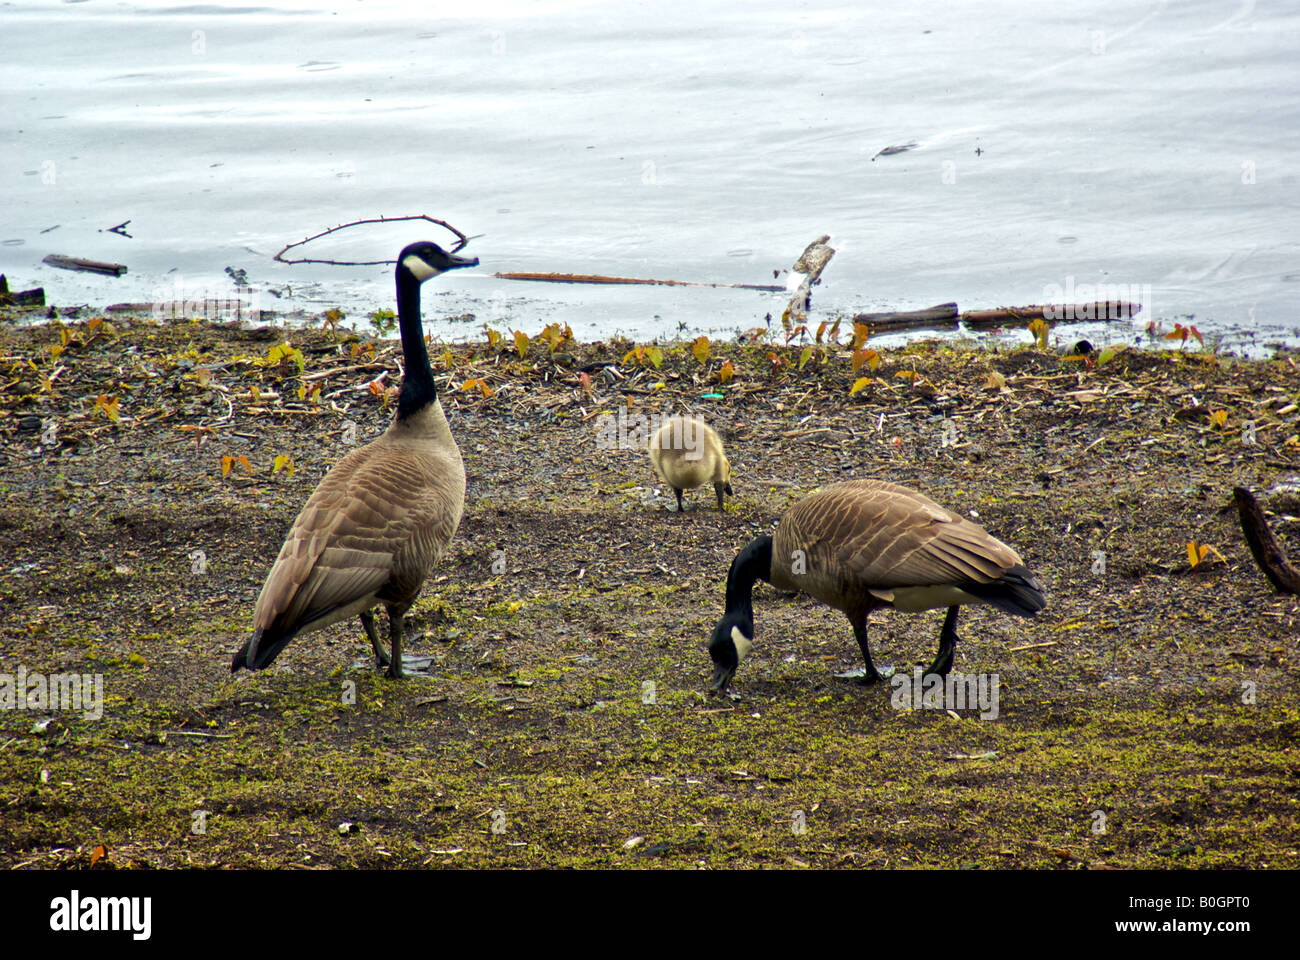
point(867, 676)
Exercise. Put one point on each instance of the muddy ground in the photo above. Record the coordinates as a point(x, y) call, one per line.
point(1147, 718)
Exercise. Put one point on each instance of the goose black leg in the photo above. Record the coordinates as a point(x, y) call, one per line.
point(718, 488)
point(396, 618)
point(368, 621)
point(870, 676)
point(680, 508)
point(947, 645)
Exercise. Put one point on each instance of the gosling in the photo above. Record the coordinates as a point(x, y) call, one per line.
point(686, 453)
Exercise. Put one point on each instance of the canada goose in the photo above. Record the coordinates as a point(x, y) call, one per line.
point(864, 544)
point(382, 516)
point(686, 453)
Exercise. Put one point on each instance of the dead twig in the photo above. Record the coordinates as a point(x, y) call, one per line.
point(1264, 547)
point(356, 223)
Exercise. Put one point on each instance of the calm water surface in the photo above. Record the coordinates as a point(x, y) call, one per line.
point(1150, 145)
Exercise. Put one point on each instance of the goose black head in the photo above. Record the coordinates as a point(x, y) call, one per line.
point(425, 260)
point(733, 638)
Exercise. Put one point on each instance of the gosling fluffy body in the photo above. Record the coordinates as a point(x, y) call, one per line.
point(863, 544)
point(686, 453)
point(382, 516)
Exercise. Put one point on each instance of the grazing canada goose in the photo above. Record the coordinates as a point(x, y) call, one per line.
point(686, 453)
point(864, 544)
point(382, 516)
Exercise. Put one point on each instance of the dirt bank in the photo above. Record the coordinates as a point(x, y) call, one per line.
point(1147, 718)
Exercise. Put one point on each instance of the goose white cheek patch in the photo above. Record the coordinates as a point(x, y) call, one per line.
point(419, 268)
point(742, 642)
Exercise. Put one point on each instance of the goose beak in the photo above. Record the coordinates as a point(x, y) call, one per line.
point(721, 677)
point(461, 261)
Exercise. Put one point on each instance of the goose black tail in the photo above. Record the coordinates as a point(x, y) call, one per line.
point(1017, 591)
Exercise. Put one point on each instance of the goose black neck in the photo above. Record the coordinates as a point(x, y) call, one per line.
point(754, 562)
point(418, 389)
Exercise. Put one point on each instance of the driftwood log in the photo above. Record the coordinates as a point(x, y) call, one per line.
point(939, 317)
point(86, 266)
point(946, 316)
point(596, 278)
point(1267, 551)
point(20, 298)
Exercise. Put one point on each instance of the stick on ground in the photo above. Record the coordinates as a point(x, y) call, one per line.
point(1268, 553)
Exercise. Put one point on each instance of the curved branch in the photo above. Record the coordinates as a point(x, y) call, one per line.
point(460, 244)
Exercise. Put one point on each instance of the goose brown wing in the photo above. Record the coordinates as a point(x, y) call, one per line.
point(372, 527)
point(867, 534)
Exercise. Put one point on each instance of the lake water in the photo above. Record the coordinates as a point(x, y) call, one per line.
point(1146, 145)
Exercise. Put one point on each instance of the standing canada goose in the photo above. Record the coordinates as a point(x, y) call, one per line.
point(686, 453)
point(382, 516)
point(864, 544)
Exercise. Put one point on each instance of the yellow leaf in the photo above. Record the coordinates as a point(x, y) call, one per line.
point(281, 461)
point(873, 360)
point(494, 338)
point(446, 358)
point(226, 464)
point(64, 335)
point(98, 854)
point(108, 407)
point(1039, 328)
point(302, 391)
point(521, 342)
point(996, 381)
point(1218, 418)
point(821, 329)
point(805, 355)
point(656, 356)
point(860, 333)
point(726, 373)
point(93, 325)
point(55, 350)
point(247, 466)
point(700, 348)
point(315, 394)
point(859, 384)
